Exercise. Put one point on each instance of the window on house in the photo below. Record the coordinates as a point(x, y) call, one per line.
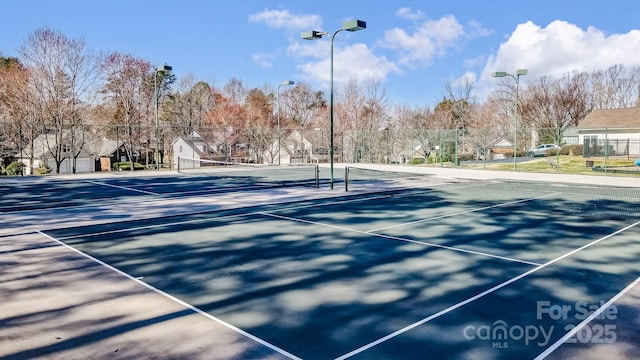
point(180, 149)
point(66, 148)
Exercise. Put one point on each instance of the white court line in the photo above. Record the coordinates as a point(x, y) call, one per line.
point(149, 226)
point(464, 212)
point(121, 187)
point(402, 239)
point(372, 197)
point(480, 295)
point(174, 299)
point(584, 323)
point(206, 219)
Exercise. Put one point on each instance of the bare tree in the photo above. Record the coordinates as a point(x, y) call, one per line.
point(614, 88)
point(186, 108)
point(127, 91)
point(362, 113)
point(259, 124)
point(226, 122)
point(63, 76)
point(301, 104)
point(20, 120)
point(484, 128)
point(461, 99)
point(550, 105)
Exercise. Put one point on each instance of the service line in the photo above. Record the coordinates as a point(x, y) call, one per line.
point(175, 299)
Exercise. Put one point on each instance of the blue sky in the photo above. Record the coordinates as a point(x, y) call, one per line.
point(411, 47)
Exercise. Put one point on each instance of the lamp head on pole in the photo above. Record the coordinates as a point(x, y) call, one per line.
point(164, 69)
point(521, 72)
point(354, 25)
point(499, 74)
point(287, 82)
point(312, 35)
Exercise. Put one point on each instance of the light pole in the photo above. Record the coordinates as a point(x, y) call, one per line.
point(165, 69)
point(515, 113)
point(353, 25)
point(284, 83)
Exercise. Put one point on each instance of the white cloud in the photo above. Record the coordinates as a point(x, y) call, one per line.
point(562, 47)
point(263, 60)
point(284, 19)
point(408, 13)
point(476, 29)
point(431, 39)
point(476, 62)
point(468, 78)
point(353, 62)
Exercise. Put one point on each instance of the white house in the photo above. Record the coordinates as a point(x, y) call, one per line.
point(610, 132)
point(193, 147)
point(45, 148)
point(294, 148)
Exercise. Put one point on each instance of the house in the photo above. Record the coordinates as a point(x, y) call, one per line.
point(499, 148)
point(610, 132)
point(107, 152)
point(294, 148)
point(570, 136)
point(194, 147)
point(46, 146)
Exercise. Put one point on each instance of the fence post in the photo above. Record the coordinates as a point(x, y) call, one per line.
point(346, 179)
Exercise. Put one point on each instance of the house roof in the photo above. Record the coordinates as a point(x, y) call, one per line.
point(196, 143)
point(91, 144)
point(106, 147)
point(192, 144)
point(501, 142)
point(611, 118)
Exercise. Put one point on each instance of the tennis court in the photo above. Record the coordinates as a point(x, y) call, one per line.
point(398, 267)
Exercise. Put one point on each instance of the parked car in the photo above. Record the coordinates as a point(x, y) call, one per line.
point(541, 150)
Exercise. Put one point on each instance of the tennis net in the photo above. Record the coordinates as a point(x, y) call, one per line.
point(368, 179)
point(245, 173)
point(568, 199)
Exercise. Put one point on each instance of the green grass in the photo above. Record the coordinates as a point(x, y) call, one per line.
point(567, 164)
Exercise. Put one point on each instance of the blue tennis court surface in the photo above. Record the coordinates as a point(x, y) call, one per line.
point(57, 193)
point(458, 270)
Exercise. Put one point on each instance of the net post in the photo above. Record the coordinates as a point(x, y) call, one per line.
point(346, 178)
point(317, 176)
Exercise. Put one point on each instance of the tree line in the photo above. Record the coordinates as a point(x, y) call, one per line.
point(58, 86)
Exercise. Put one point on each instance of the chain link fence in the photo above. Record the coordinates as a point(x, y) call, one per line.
point(87, 148)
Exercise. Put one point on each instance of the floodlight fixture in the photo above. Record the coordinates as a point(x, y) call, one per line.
point(516, 77)
point(312, 35)
point(354, 25)
point(165, 69)
point(351, 25)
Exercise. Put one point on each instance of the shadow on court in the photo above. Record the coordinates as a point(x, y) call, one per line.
point(315, 282)
point(45, 193)
point(59, 304)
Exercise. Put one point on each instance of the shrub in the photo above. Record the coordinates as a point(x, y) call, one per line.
point(416, 161)
point(43, 170)
point(15, 168)
point(572, 150)
point(509, 153)
point(466, 157)
point(126, 165)
point(551, 152)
